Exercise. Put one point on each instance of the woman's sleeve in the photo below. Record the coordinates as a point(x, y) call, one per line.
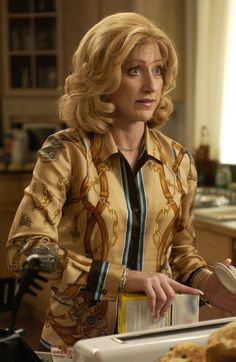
point(186, 264)
point(35, 230)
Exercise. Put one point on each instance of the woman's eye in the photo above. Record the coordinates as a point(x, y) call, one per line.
point(134, 71)
point(158, 70)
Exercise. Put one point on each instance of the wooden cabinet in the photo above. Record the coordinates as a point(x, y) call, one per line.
point(31, 63)
point(31, 46)
point(12, 186)
point(214, 245)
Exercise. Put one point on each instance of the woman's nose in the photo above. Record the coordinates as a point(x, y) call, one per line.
point(149, 83)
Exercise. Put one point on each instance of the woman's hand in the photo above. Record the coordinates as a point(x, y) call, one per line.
point(159, 288)
point(217, 294)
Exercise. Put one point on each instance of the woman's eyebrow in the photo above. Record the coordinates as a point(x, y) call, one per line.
point(136, 60)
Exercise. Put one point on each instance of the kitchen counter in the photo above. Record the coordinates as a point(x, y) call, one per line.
point(16, 168)
point(216, 241)
point(227, 228)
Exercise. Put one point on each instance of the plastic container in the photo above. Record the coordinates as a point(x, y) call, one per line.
point(19, 147)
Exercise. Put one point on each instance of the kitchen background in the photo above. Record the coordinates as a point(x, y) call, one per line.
point(38, 39)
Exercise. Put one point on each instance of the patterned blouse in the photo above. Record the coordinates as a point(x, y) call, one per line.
point(87, 214)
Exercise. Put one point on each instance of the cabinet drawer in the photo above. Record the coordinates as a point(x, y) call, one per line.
point(12, 187)
point(10, 191)
point(213, 246)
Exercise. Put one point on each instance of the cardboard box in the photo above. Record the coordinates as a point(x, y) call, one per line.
point(134, 313)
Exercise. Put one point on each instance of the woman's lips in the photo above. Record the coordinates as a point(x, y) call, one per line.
point(146, 102)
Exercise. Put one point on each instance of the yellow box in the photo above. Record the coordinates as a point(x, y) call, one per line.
point(134, 313)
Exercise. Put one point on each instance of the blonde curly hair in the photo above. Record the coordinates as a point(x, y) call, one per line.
point(97, 66)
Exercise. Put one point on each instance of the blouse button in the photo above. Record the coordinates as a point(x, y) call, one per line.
point(135, 209)
point(104, 291)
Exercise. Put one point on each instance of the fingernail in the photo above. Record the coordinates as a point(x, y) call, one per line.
point(200, 292)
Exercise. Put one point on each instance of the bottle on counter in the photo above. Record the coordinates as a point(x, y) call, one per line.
point(203, 151)
point(205, 166)
point(223, 177)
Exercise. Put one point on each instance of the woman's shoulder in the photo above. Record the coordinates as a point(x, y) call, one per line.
point(173, 150)
point(63, 141)
point(72, 136)
point(166, 141)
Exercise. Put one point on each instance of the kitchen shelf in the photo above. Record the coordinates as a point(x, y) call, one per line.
point(31, 45)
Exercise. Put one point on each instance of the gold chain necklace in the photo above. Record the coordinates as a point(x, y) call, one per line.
point(129, 149)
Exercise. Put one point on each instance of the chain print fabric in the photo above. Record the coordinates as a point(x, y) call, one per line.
point(88, 214)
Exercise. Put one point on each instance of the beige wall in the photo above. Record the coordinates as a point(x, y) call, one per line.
point(169, 15)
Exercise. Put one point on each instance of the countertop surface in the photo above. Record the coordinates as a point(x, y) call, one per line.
point(225, 227)
point(16, 168)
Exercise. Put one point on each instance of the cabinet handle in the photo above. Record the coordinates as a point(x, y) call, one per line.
point(234, 251)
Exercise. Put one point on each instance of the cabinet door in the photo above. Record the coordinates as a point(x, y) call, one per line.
point(11, 191)
point(213, 247)
point(31, 45)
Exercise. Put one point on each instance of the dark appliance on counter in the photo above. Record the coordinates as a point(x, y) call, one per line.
point(13, 347)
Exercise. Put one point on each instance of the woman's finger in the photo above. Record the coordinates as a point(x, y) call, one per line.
point(165, 299)
point(160, 295)
point(184, 289)
point(227, 262)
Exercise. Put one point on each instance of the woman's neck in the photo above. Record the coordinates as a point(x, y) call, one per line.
point(128, 140)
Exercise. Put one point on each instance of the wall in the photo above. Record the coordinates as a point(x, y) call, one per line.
point(170, 17)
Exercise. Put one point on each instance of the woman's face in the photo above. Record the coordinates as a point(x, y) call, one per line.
point(141, 83)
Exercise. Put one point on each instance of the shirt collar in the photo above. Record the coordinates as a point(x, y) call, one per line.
point(152, 144)
point(108, 146)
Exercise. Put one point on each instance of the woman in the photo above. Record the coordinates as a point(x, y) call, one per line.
point(110, 202)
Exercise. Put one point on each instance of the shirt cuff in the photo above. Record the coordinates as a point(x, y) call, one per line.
point(198, 276)
point(103, 281)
